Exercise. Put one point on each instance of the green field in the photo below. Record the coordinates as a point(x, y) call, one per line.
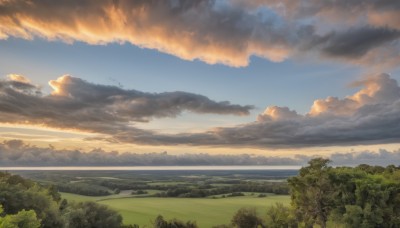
point(206, 212)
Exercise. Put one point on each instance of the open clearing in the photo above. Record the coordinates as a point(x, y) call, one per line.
point(205, 211)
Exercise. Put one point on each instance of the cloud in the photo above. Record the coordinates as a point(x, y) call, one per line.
point(19, 84)
point(340, 11)
point(355, 43)
point(277, 113)
point(370, 116)
point(226, 32)
point(207, 30)
point(18, 153)
point(78, 104)
point(381, 157)
point(379, 89)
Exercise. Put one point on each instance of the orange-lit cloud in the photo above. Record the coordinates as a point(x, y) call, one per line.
point(377, 89)
point(18, 78)
point(187, 29)
point(226, 32)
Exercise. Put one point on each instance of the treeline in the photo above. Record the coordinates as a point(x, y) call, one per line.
point(205, 191)
point(84, 189)
point(99, 187)
point(105, 188)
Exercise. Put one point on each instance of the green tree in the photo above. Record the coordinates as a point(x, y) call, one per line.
point(17, 193)
point(353, 216)
point(312, 193)
point(246, 218)
point(91, 215)
point(23, 219)
point(279, 216)
point(160, 222)
point(365, 196)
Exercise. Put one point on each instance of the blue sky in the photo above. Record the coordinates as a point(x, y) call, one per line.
point(290, 83)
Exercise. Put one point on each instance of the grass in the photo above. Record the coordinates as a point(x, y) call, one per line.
point(206, 212)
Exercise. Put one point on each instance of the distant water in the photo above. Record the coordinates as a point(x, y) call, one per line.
point(142, 168)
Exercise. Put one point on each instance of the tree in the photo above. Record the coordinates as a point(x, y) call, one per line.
point(23, 219)
point(91, 215)
point(246, 218)
point(365, 196)
point(353, 216)
point(312, 193)
point(160, 222)
point(17, 193)
point(280, 216)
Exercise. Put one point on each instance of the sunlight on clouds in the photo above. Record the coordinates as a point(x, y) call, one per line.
point(277, 113)
point(56, 85)
point(377, 89)
point(200, 30)
point(228, 33)
point(43, 129)
point(18, 78)
point(192, 123)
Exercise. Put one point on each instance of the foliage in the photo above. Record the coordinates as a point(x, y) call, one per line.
point(23, 219)
point(17, 193)
point(85, 189)
point(365, 196)
point(91, 215)
point(26, 204)
point(247, 218)
point(312, 193)
point(160, 222)
point(280, 216)
point(233, 190)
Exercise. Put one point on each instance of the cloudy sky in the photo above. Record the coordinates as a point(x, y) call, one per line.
point(265, 77)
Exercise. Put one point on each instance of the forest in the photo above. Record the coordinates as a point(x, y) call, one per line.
point(321, 196)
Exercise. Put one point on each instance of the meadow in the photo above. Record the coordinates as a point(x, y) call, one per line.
point(205, 211)
point(207, 197)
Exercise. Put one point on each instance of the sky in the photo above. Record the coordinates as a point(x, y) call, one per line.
point(264, 77)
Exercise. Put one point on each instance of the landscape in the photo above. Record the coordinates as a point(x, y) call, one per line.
point(317, 195)
point(199, 114)
point(207, 197)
